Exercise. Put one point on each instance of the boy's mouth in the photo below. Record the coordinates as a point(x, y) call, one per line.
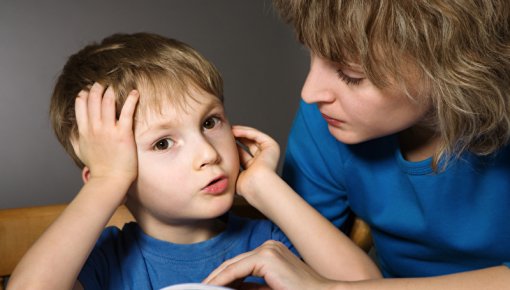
point(217, 185)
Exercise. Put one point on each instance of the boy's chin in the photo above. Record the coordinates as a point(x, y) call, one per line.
point(223, 208)
point(218, 207)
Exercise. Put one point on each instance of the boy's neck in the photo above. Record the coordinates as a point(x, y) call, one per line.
point(182, 233)
point(178, 233)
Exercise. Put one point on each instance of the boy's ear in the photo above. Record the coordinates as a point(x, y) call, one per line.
point(85, 174)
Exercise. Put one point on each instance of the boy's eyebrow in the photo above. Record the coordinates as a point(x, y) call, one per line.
point(168, 124)
point(158, 126)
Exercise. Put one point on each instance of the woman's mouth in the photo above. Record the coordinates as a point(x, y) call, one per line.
point(332, 121)
point(217, 186)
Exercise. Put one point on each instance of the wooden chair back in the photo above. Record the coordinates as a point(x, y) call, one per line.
point(20, 227)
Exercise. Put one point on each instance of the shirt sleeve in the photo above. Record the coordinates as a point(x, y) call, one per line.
point(313, 166)
point(94, 273)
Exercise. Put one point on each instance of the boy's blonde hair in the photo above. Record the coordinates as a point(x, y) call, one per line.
point(157, 66)
point(458, 49)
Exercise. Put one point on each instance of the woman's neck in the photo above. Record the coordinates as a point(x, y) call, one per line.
point(418, 143)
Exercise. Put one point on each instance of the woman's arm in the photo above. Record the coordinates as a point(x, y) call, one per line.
point(108, 148)
point(283, 271)
point(494, 278)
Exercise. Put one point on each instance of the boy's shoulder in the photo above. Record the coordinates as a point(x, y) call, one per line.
point(112, 234)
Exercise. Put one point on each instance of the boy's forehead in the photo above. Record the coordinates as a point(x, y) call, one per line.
point(158, 94)
point(172, 102)
point(171, 109)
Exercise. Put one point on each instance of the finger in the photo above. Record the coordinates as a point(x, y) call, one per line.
point(80, 110)
point(243, 144)
point(128, 110)
point(254, 135)
point(108, 107)
point(220, 268)
point(226, 264)
point(250, 147)
point(244, 155)
point(94, 103)
point(248, 144)
point(248, 132)
point(235, 271)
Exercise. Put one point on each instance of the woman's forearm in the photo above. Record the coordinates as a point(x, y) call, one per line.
point(495, 278)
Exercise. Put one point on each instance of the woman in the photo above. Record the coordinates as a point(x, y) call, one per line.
point(405, 123)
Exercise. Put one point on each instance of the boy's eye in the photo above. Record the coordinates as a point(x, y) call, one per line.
point(163, 144)
point(210, 123)
point(347, 79)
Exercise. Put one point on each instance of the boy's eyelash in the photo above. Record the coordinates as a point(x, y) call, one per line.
point(218, 119)
point(347, 79)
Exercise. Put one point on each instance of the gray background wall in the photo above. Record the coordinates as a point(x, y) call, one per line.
point(262, 65)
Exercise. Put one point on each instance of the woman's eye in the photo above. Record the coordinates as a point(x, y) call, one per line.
point(163, 144)
point(210, 123)
point(347, 79)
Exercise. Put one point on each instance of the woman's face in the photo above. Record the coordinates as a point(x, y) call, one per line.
point(354, 108)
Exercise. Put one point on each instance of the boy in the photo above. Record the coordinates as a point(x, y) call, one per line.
point(169, 155)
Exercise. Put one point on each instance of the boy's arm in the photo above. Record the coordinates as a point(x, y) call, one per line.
point(108, 149)
point(322, 246)
point(325, 248)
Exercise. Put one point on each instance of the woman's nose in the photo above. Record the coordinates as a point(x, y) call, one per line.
point(318, 86)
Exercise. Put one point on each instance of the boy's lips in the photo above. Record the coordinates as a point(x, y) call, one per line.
point(217, 185)
point(332, 121)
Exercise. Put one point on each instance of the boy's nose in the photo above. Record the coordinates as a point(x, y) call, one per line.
point(318, 86)
point(206, 154)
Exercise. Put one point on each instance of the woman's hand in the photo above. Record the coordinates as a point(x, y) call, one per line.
point(279, 267)
point(106, 145)
point(261, 159)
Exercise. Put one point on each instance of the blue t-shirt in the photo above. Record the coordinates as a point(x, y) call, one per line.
point(423, 223)
point(130, 259)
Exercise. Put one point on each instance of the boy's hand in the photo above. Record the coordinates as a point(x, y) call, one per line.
point(262, 158)
point(106, 145)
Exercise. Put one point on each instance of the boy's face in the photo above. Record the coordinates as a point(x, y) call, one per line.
point(187, 161)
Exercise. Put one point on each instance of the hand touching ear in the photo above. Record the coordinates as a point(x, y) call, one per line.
point(262, 157)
